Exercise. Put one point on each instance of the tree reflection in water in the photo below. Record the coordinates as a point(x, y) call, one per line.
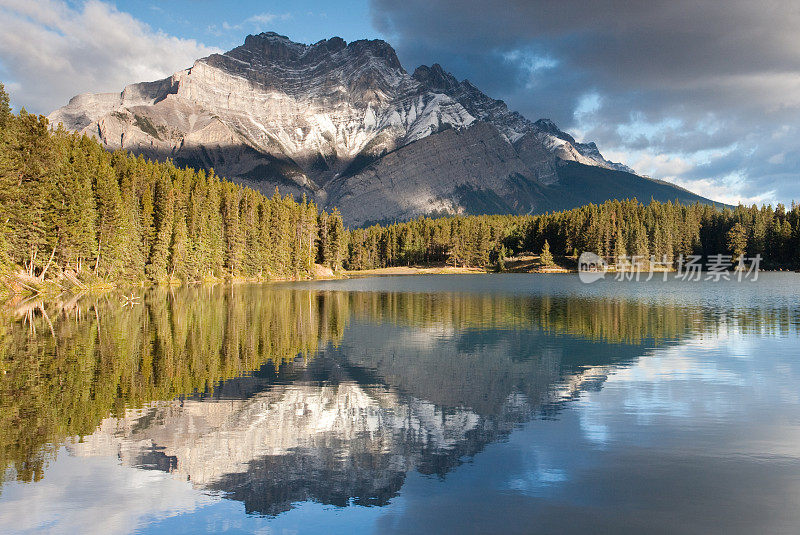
point(275, 396)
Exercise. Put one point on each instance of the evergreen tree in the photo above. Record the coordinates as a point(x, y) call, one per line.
point(758, 232)
point(501, 258)
point(234, 238)
point(111, 237)
point(5, 107)
point(338, 239)
point(737, 240)
point(324, 246)
point(179, 251)
point(164, 211)
point(546, 258)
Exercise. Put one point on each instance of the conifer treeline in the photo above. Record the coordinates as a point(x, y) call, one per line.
point(612, 229)
point(69, 205)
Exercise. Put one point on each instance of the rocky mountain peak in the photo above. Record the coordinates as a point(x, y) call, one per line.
point(378, 48)
point(268, 47)
point(549, 127)
point(435, 78)
point(273, 48)
point(332, 45)
point(255, 40)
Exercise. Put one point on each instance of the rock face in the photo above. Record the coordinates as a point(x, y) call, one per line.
point(348, 126)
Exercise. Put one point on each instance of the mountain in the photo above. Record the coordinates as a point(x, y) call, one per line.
point(348, 126)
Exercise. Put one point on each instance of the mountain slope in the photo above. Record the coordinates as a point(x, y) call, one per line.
point(347, 125)
point(474, 171)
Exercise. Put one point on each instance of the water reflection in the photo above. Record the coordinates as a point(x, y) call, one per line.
point(274, 396)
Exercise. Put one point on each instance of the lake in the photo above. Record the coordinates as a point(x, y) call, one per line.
point(423, 404)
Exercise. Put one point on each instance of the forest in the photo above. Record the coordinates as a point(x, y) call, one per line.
point(613, 230)
point(74, 213)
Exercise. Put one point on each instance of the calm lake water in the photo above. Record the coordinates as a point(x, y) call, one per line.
point(438, 404)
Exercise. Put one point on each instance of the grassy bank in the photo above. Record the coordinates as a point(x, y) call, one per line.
point(17, 286)
point(516, 264)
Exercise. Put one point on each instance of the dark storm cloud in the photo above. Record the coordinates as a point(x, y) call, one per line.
point(683, 79)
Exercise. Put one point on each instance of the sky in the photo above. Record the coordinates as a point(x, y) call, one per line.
point(702, 93)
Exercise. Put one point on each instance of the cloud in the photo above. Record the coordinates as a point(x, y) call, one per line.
point(258, 22)
point(267, 18)
point(52, 51)
point(681, 79)
point(96, 495)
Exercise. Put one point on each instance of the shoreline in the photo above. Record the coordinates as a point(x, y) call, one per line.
point(50, 291)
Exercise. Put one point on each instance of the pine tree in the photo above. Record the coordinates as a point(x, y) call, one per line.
point(338, 240)
point(234, 243)
point(324, 245)
point(179, 251)
point(758, 233)
point(501, 259)
point(109, 260)
point(620, 251)
point(73, 208)
point(5, 107)
point(639, 246)
point(164, 215)
point(737, 240)
point(546, 258)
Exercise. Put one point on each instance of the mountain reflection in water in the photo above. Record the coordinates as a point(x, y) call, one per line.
point(275, 396)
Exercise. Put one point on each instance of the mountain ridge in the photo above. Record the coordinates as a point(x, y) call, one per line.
point(345, 124)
